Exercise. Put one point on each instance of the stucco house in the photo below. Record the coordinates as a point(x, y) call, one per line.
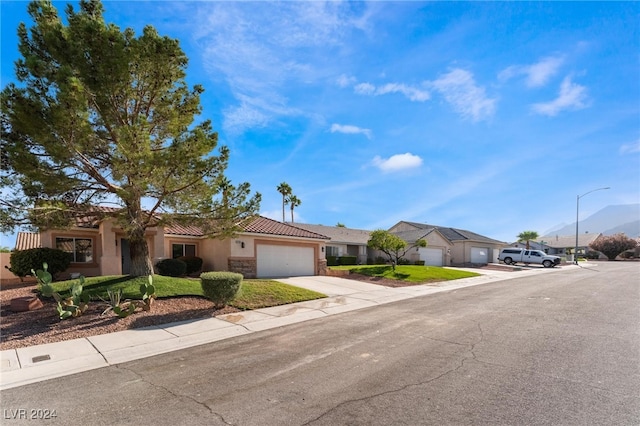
point(562, 245)
point(264, 248)
point(447, 246)
point(343, 241)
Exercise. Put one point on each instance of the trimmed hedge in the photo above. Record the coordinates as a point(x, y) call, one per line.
point(220, 287)
point(348, 260)
point(333, 260)
point(171, 267)
point(194, 263)
point(23, 261)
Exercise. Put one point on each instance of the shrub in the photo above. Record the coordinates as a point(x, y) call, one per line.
point(420, 262)
point(171, 267)
point(220, 287)
point(194, 263)
point(403, 261)
point(23, 261)
point(332, 261)
point(611, 246)
point(380, 260)
point(348, 260)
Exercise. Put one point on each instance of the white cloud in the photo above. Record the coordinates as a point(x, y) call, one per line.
point(261, 59)
point(571, 97)
point(345, 80)
point(412, 93)
point(349, 129)
point(397, 162)
point(460, 90)
point(536, 75)
point(630, 148)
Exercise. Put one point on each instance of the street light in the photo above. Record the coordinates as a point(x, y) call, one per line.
point(575, 253)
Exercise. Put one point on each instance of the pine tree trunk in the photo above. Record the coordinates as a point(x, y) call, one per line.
point(141, 265)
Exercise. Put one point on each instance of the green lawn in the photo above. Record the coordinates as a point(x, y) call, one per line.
point(253, 294)
point(409, 273)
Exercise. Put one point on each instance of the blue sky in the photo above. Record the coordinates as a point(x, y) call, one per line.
point(490, 117)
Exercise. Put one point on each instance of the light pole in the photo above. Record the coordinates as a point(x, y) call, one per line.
point(575, 253)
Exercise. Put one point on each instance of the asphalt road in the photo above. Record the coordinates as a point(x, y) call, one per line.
point(558, 349)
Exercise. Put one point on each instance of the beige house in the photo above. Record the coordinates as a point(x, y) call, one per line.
point(264, 248)
point(344, 241)
point(447, 246)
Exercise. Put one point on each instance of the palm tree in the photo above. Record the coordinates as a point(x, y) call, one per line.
point(293, 202)
point(285, 190)
point(527, 236)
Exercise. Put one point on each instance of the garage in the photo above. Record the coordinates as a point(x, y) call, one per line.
point(284, 261)
point(431, 256)
point(479, 255)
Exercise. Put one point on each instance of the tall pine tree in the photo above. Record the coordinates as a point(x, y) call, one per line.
point(103, 115)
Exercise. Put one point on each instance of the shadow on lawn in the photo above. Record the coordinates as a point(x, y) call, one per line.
point(383, 271)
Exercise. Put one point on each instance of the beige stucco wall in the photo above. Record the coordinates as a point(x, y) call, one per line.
point(91, 269)
point(110, 259)
point(215, 253)
point(461, 251)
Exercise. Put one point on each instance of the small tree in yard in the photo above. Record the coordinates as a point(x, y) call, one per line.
point(612, 246)
point(393, 246)
point(102, 115)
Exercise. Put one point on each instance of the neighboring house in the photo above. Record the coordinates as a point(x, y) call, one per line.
point(447, 246)
point(264, 248)
point(562, 245)
point(344, 241)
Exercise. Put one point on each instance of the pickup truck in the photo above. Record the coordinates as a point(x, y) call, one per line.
point(513, 255)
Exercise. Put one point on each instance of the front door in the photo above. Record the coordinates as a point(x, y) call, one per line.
point(126, 256)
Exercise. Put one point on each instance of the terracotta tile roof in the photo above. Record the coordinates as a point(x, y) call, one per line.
point(263, 225)
point(258, 225)
point(27, 240)
point(190, 230)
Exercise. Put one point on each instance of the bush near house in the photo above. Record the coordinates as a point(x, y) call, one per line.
point(220, 287)
point(24, 261)
point(194, 263)
point(171, 267)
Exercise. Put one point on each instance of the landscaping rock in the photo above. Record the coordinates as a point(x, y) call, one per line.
point(27, 303)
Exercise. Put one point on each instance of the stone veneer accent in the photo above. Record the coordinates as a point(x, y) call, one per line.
point(322, 266)
point(247, 267)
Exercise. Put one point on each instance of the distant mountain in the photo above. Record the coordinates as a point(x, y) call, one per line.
point(610, 220)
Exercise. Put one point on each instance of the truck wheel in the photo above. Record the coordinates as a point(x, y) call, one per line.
point(547, 263)
point(508, 260)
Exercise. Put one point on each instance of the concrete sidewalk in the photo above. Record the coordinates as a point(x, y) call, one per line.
point(42, 362)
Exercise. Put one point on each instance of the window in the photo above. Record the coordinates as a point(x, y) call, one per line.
point(333, 251)
point(80, 248)
point(179, 250)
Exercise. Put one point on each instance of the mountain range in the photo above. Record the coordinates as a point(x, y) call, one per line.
point(610, 220)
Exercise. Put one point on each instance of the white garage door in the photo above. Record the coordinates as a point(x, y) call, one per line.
point(479, 255)
point(284, 261)
point(431, 256)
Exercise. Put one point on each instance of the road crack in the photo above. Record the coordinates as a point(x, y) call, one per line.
point(469, 354)
point(176, 395)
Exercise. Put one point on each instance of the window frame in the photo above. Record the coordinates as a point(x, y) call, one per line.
point(75, 252)
point(184, 251)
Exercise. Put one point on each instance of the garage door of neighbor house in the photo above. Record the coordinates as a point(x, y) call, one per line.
point(479, 255)
point(284, 261)
point(431, 256)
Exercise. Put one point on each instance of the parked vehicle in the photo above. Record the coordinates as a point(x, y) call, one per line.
point(513, 255)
